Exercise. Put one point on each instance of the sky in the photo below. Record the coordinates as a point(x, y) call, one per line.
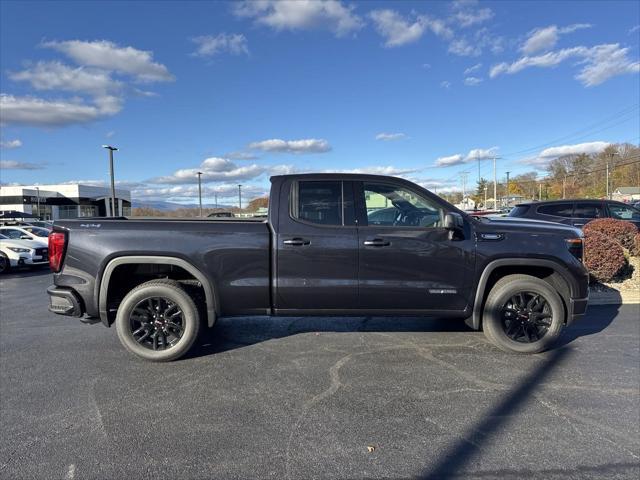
point(244, 90)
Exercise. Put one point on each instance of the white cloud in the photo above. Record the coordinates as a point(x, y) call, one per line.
point(456, 159)
point(112, 57)
point(397, 30)
point(475, 45)
point(14, 165)
point(545, 156)
point(387, 137)
point(110, 134)
point(301, 15)
point(241, 156)
point(467, 14)
point(376, 170)
point(588, 148)
point(54, 113)
point(634, 29)
point(214, 169)
point(10, 144)
point(446, 84)
point(472, 81)
point(190, 192)
point(600, 63)
point(472, 69)
point(547, 37)
point(209, 46)
point(57, 76)
point(473, 156)
point(308, 145)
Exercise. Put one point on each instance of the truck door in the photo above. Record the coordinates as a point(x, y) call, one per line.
point(407, 260)
point(316, 247)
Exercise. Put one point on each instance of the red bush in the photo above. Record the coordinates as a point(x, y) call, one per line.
point(603, 256)
point(636, 246)
point(618, 230)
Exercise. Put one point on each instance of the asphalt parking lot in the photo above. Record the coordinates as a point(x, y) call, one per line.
point(292, 398)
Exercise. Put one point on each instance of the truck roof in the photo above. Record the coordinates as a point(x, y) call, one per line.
point(336, 176)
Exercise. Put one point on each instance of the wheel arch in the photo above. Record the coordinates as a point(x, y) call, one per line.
point(551, 271)
point(211, 298)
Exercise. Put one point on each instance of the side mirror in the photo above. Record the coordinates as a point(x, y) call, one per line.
point(453, 222)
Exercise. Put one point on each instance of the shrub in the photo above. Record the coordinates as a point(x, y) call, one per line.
point(618, 230)
point(636, 246)
point(603, 256)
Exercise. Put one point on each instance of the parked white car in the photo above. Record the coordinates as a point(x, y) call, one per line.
point(25, 232)
point(22, 253)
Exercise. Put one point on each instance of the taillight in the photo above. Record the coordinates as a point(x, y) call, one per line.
point(575, 246)
point(57, 245)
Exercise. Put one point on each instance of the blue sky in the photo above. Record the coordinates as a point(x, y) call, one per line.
point(243, 90)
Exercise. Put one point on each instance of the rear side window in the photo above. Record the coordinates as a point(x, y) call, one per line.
point(557, 210)
point(519, 210)
point(588, 210)
point(318, 202)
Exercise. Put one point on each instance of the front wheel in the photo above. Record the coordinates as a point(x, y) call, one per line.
point(523, 314)
point(5, 264)
point(158, 321)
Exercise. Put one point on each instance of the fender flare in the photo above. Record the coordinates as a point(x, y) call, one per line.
point(210, 296)
point(515, 262)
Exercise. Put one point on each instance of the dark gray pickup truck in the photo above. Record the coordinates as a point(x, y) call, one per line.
point(333, 244)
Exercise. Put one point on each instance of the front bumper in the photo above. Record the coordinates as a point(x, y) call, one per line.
point(64, 301)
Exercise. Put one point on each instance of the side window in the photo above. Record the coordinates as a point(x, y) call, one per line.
point(622, 212)
point(12, 233)
point(588, 210)
point(318, 202)
point(390, 205)
point(557, 210)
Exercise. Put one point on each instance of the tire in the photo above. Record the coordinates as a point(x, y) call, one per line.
point(151, 311)
point(514, 321)
point(5, 264)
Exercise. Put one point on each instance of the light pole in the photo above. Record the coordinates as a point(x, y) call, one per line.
point(200, 191)
point(38, 192)
point(113, 183)
point(240, 196)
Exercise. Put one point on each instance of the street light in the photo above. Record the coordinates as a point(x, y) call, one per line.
point(240, 196)
point(113, 183)
point(200, 191)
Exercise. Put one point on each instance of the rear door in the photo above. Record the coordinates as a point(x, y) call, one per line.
point(556, 212)
point(584, 212)
point(317, 246)
point(407, 260)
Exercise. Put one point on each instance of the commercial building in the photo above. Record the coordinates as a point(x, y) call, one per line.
point(56, 202)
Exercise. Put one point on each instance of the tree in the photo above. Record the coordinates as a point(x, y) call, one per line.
point(256, 203)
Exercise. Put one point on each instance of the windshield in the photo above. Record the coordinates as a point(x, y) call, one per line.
point(37, 231)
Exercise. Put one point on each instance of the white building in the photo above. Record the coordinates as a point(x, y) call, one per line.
point(64, 201)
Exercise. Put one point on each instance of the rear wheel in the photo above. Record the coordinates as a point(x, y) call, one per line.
point(523, 314)
point(158, 321)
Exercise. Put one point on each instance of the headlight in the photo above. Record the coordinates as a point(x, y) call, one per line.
point(19, 250)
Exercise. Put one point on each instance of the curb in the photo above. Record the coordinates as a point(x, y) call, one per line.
point(614, 297)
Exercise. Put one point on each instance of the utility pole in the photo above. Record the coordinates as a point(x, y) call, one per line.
point(608, 181)
point(540, 191)
point(463, 176)
point(38, 192)
point(200, 191)
point(215, 196)
point(564, 187)
point(113, 183)
point(495, 185)
point(240, 196)
point(478, 159)
point(484, 205)
point(508, 188)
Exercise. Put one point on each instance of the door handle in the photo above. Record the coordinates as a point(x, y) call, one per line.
point(376, 242)
point(297, 242)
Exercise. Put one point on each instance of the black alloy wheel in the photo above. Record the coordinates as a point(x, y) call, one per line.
point(526, 317)
point(157, 323)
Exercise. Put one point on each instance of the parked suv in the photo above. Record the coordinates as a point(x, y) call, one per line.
point(577, 212)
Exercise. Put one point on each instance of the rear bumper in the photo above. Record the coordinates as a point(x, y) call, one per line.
point(64, 301)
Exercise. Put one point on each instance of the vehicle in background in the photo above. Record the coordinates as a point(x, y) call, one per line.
point(220, 215)
point(41, 223)
point(21, 253)
point(636, 205)
point(577, 212)
point(26, 232)
point(333, 244)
